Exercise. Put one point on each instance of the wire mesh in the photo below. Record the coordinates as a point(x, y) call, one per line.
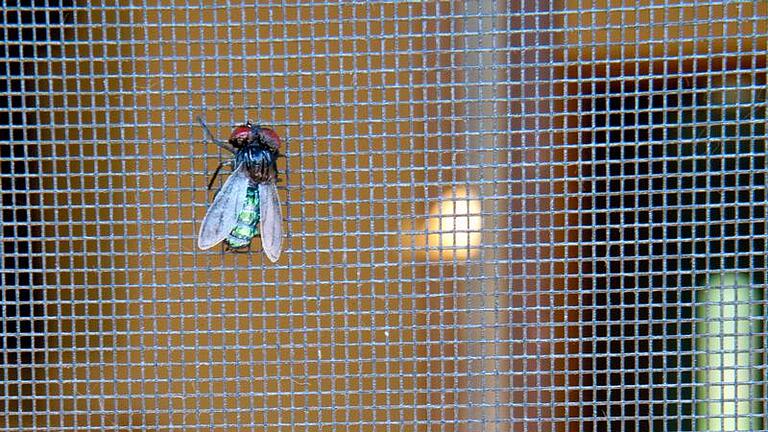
point(524, 216)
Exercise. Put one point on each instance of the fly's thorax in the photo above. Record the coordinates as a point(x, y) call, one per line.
point(260, 162)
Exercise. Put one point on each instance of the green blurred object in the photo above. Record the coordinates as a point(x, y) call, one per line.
point(729, 325)
point(719, 148)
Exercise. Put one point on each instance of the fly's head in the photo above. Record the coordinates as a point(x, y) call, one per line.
point(251, 134)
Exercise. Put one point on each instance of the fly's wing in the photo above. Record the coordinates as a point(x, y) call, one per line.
point(222, 214)
point(271, 224)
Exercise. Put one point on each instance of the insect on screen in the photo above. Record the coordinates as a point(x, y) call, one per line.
point(537, 215)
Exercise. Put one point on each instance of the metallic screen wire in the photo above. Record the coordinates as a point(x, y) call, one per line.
point(500, 217)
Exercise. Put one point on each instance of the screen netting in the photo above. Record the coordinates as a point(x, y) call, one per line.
point(533, 216)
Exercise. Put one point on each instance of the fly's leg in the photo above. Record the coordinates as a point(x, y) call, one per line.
point(223, 144)
point(216, 173)
point(240, 250)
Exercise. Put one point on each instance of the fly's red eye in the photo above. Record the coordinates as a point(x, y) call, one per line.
point(271, 138)
point(240, 133)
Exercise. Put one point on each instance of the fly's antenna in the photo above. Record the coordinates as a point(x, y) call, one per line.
point(223, 144)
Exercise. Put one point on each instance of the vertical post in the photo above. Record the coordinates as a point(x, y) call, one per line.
point(506, 109)
point(483, 336)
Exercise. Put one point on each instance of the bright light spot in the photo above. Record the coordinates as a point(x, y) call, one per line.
point(453, 229)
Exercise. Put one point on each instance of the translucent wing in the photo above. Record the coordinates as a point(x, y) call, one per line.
point(222, 214)
point(271, 221)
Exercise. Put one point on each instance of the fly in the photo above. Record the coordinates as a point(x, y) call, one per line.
point(248, 204)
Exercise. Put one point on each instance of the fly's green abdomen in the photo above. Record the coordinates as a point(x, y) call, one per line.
point(247, 221)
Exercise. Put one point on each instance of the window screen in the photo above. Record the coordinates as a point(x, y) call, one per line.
point(533, 216)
